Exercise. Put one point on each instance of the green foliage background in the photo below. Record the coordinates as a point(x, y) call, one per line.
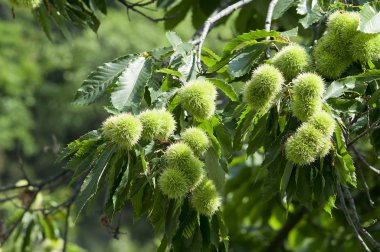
point(39, 78)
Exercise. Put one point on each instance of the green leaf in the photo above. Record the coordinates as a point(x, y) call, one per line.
point(290, 33)
point(344, 163)
point(244, 61)
point(183, 48)
point(81, 145)
point(92, 182)
point(121, 194)
point(214, 169)
point(281, 7)
point(170, 71)
point(330, 204)
point(369, 19)
point(258, 135)
point(226, 88)
point(101, 5)
point(286, 177)
point(130, 88)
point(243, 125)
point(248, 38)
point(354, 84)
point(311, 9)
point(98, 81)
point(172, 219)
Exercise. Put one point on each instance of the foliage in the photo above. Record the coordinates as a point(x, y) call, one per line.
point(274, 162)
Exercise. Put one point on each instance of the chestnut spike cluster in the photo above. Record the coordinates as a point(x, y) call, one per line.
point(185, 174)
point(312, 138)
point(125, 130)
point(198, 98)
point(343, 44)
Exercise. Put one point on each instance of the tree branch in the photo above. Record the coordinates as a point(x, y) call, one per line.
point(268, 22)
point(65, 235)
point(356, 219)
point(371, 202)
point(133, 7)
point(367, 131)
point(41, 184)
point(215, 17)
point(363, 161)
point(349, 219)
point(18, 221)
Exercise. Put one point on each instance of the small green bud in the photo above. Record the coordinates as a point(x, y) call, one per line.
point(205, 198)
point(292, 60)
point(308, 90)
point(31, 4)
point(198, 98)
point(262, 89)
point(323, 122)
point(305, 145)
point(179, 155)
point(123, 130)
point(173, 183)
point(365, 47)
point(344, 25)
point(197, 140)
point(157, 124)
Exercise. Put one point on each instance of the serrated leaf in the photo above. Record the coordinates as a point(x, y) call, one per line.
point(183, 48)
point(170, 71)
point(130, 88)
point(281, 7)
point(344, 163)
point(290, 33)
point(356, 84)
point(214, 169)
point(92, 182)
point(99, 80)
point(330, 204)
point(369, 19)
point(286, 177)
point(311, 9)
point(243, 62)
point(122, 191)
point(248, 38)
point(226, 88)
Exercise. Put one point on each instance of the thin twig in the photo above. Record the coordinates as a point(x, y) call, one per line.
point(356, 219)
point(43, 183)
point(371, 202)
point(268, 22)
point(373, 126)
point(6, 199)
point(65, 235)
point(18, 221)
point(349, 219)
point(132, 7)
point(195, 38)
point(211, 21)
point(363, 161)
